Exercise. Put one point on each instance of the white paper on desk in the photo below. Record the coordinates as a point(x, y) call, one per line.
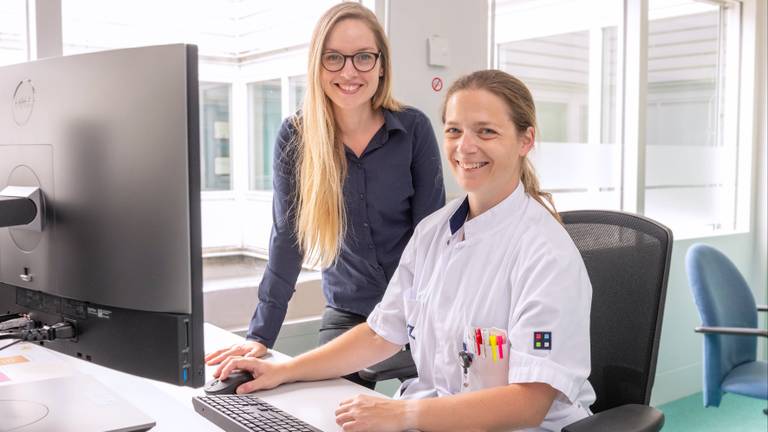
point(36, 364)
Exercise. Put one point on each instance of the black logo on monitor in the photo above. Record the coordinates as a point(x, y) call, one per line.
point(23, 102)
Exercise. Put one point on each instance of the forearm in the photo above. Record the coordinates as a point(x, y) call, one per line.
point(514, 406)
point(356, 349)
point(276, 287)
point(265, 324)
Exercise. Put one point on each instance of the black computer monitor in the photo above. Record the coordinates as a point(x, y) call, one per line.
point(111, 141)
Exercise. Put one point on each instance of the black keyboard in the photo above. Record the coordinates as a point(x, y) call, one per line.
point(247, 413)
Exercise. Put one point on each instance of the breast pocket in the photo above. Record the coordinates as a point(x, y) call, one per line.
point(490, 365)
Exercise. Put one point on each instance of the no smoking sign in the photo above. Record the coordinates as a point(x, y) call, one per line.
point(437, 84)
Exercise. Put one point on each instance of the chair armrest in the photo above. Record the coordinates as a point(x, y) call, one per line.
point(625, 418)
point(742, 331)
point(762, 308)
point(399, 366)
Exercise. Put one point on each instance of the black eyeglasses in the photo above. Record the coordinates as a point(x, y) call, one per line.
point(362, 61)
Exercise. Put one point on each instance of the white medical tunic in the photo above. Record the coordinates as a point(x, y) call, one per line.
point(514, 268)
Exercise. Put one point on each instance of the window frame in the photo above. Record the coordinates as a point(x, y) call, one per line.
point(736, 103)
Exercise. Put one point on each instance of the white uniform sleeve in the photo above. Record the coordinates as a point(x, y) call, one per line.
point(388, 317)
point(554, 300)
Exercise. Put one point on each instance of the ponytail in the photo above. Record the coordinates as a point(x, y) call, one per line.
point(531, 186)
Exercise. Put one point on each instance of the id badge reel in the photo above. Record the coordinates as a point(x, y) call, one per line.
point(484, 360)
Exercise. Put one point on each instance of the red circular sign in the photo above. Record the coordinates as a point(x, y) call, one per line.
point(437, 84)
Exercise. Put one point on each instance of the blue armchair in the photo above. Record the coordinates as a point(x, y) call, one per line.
point(729, 324)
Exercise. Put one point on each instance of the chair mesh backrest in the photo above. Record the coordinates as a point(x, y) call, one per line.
point(627, 258)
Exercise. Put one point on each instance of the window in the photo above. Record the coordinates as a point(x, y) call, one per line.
point(266, 117)
point(108, 24)
point(214, 136)
point(566, 51)
point(251, 67)
point(13, 31)
point(570, 67)
point(690, 167)
point(297, 87)
point(92, 26)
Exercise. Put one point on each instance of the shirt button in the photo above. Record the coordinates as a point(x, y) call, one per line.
point(362, 196)
point(370, 245)
point(365, 224)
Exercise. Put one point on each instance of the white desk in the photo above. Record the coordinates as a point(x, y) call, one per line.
point(171, 406)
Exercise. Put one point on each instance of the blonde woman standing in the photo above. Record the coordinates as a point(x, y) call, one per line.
point(355, 171)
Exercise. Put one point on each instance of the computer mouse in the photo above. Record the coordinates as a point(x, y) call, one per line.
point(229, 385)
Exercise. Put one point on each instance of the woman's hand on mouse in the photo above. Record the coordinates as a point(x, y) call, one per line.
point(266, 374)
point(249, 348)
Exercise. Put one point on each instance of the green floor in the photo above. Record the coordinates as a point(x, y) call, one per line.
point(735, 413)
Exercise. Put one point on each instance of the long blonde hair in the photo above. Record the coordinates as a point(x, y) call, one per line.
point(320, 215)
point(522, 112)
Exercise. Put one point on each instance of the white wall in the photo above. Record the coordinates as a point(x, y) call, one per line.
point(465, 26)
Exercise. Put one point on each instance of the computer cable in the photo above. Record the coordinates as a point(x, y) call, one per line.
point(16, 322)
point(61, 330)
point(6, 317)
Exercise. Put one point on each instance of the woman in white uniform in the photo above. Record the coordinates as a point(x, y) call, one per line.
point(491, 293)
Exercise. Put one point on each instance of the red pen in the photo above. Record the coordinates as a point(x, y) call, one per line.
point(478, 341)
point(500, 343)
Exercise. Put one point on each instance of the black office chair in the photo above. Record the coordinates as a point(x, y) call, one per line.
point(627, 258)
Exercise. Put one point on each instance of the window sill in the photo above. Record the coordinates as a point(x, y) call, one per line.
point(227, 195)
point(698, 235)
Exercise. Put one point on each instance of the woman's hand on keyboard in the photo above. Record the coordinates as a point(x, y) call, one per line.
point(249, 348)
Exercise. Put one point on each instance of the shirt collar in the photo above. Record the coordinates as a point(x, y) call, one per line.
point(459, 216)
point(500, 214)
point(391, 124)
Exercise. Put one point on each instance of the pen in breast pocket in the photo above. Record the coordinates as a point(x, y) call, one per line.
point(465, 342)
point(493, 347)
point(500, 343)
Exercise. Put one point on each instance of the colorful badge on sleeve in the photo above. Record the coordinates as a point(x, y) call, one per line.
point(542, 340)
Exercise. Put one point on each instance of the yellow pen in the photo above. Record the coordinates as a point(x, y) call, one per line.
point(493, 347)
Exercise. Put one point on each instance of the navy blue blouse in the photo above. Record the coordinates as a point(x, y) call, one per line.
point(395, 183)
